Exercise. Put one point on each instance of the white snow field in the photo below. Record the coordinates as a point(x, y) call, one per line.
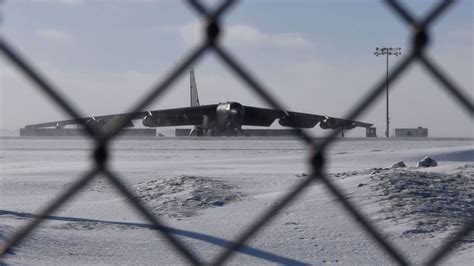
point(210, 189)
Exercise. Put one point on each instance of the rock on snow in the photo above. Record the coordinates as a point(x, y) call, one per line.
point(399, 164)
point(427, 162)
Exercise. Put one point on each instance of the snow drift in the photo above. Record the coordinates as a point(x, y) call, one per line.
point(184, 196)
point(430, 201)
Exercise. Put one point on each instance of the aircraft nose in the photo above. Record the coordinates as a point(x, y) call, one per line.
point(234, 111)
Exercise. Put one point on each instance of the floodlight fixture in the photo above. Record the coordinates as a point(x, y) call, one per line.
point(387, 51)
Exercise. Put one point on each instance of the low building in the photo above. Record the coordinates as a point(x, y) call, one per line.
point(74, 132)
point(184, 132)
point(411, 132)
point(371, 132)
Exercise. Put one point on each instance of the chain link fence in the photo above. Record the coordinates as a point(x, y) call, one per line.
point(419, 28)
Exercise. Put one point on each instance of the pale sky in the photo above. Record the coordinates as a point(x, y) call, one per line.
point(315, 56)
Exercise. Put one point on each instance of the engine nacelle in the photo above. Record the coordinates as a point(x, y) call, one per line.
point(329, 123)
point(149, 121)
point(95, 123)
point(59, 126)
point(349, 126)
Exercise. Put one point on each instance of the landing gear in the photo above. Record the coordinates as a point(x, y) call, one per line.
point(198, 132)
point(229, 132)
point(236, 132)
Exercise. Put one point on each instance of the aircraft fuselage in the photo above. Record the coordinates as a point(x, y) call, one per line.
point(229, 116)
point(227, 121)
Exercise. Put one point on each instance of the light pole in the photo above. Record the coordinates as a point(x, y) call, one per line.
point(387, 51)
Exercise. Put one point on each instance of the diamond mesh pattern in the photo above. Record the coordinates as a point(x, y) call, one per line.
point(420, 39)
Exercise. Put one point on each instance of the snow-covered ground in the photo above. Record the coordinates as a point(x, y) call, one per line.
point(209, 189)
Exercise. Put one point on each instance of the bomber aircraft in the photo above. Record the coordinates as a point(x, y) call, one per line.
point(222, 119)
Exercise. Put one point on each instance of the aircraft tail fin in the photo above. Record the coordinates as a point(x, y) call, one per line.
point(193, 88)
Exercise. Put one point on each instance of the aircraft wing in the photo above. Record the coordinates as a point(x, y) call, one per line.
point(256, 116)
point(102, 118)
point(195, 115)
point(160, 118)
point(182, 116)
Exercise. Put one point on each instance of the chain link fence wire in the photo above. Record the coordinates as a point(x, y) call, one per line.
point(420, 39)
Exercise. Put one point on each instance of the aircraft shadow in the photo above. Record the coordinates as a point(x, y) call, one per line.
point(179, 232)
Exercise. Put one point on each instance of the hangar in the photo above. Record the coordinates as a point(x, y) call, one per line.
point(411, 132)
